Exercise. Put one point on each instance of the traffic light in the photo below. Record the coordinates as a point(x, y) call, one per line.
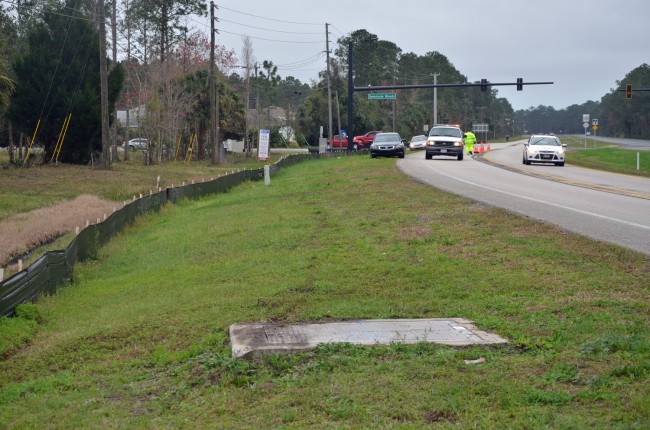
point(484, 84)
point(628, 91)
point(520, 84)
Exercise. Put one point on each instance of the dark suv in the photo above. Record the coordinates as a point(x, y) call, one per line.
point(445, 140)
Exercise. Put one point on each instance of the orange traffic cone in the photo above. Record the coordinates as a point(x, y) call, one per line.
point(488, 148)
point(480, 148)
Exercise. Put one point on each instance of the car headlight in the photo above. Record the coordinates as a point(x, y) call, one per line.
point(458, 143)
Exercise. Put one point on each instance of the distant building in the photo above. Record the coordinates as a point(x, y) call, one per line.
point(271, 117)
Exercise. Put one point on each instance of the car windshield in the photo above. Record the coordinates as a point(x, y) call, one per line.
point(387, 137)
point(418, 138)
point(445, 131)
point(543, 140)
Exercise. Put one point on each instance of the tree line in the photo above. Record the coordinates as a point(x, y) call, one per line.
point(617, 116)
point(159, 72)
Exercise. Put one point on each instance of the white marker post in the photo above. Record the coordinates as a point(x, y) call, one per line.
point(585, 124)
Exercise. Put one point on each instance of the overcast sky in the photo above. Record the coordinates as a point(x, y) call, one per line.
point(583, 46)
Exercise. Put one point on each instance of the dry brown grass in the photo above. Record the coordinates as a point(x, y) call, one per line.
point(22, 232)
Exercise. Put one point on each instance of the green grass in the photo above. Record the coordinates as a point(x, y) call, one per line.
point(605, 156)
point(574, 142)
point(25, 189)
point(140, 338)
point(613, 160)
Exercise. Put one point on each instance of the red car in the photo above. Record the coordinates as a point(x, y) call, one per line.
point(338, 141)
point(365, 140)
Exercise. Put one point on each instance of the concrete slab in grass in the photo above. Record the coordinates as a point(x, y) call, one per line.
point(272, 338)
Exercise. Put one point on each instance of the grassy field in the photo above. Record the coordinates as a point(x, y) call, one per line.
point(38, 203)
point(613, 160)
point(25, 189)
point(603, 156)
point(140, 340)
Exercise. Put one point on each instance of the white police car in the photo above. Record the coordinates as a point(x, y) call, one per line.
point(544, 148)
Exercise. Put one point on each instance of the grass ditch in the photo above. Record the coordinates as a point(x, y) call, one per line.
point(601, 155)
point(613, 160)
point(139, 339)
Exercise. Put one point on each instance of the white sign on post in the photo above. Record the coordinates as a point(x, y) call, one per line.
point(263, 147)
point(585, 117)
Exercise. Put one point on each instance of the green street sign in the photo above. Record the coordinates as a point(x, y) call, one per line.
point(382, 96)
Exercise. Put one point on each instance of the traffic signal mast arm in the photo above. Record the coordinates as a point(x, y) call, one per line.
point(628, 90)
point(478, 84)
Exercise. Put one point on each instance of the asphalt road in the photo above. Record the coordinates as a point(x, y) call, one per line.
point(635, 144)
point(604, 206)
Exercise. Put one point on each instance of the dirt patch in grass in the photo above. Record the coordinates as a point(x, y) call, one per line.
point(409, 233)
point(436, 416)
point(23, 232)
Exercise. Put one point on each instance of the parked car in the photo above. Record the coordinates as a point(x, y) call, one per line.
point(387, 145)
point(418, 142)
point(365, 140)
point(138, 143)
point(544, 148)
point(338, 141)
point(445, 140)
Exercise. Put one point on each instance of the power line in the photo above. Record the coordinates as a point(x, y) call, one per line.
point(304, 62)
point(271, 40)
point(269, 19)
point(265, 29)
point(342, 34)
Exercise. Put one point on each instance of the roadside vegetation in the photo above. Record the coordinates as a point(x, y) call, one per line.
point(42, 205)
point(140, 338)
point(606, 156)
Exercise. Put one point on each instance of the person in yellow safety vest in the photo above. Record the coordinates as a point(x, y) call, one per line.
point(469, 139)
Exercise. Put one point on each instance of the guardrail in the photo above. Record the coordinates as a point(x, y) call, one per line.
point(55, 267)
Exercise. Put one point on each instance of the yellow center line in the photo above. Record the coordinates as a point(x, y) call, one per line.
point(605, 188)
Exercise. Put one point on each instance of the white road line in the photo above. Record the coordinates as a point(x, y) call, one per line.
point(632, 224)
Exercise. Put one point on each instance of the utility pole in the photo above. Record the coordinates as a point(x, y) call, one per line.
point(257, 103)
point(127, 13)
point(394, 109)
point(103, 78)
point(247, 144)
point(350, 96)
point(338, 111)
point(213, 114)
point(114, 36)
point(329, 85)
point(435, 98)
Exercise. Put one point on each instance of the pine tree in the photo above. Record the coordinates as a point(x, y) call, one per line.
point(58, 75)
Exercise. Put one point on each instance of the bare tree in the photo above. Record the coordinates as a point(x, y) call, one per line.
point(165, 17)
